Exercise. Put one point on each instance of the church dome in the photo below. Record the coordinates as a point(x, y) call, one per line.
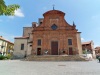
point(53, 12)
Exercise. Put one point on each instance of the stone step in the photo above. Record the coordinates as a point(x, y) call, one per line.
point(55, 58)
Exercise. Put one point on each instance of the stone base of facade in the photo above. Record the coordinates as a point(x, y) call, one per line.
point(62, 52)
point(55, 58)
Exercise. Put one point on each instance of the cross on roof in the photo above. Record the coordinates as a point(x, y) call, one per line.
point(53, 7)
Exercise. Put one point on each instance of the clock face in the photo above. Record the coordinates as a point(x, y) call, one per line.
point(54, 27)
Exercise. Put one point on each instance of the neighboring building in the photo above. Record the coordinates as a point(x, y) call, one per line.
point(23, 45)
point(89, 46)
point(51, 36)
point(6, 47)
point(97, 50)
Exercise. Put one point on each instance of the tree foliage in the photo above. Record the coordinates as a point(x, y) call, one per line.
point(7, 10)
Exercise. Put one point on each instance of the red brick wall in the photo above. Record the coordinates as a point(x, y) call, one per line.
point(61, 34)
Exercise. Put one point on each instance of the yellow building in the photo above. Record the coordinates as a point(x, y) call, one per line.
point(6, 47)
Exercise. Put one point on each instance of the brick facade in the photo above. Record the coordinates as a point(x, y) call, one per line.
point(54, 28)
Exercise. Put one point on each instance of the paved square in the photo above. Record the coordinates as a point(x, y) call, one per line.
point(17, 67)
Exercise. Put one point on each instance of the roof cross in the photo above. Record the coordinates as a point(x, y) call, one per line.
point(53, 7)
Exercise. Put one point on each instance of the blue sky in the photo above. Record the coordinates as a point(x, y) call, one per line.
point(84, 13)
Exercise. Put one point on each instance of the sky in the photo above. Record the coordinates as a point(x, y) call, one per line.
point(84, 13)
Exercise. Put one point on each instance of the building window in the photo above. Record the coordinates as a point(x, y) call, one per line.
point(54, 27)
point(69, 41)
point(22, 46)
point(40, 22)
point(30, 45)
point(39, 42)
point(2, 46)
point(87, 44)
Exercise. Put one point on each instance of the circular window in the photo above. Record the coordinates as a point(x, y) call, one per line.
point(54, 27)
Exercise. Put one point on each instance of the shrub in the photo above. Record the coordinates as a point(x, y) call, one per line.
point(84, 52)
point(8, 56)
point(5, 57)
point(2, 57)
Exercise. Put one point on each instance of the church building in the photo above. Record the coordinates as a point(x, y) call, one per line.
point(51, 36)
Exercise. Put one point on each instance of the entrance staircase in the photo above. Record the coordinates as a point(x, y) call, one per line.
point(55, 58)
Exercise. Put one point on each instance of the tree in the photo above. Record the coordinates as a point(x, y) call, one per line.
point(7, 10)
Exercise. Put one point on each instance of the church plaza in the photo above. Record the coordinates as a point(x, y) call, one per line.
point(17, 67)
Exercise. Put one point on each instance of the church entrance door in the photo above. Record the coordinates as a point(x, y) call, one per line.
point(70, 51)
point(54, 48)
point(38, 51)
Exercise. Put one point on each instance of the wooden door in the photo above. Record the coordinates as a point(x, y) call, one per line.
point(54, 48)
point(38, 51)
point(70, 51)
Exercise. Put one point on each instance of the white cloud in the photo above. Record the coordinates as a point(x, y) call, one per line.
point(82, 39)
point(19, 13)
point(96, 45)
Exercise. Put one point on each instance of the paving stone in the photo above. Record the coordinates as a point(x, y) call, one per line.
point(17, 67)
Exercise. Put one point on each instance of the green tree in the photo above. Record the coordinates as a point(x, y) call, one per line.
point(7, 10)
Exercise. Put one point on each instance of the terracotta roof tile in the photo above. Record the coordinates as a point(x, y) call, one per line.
point(86, 42)
point(5, 40)
point(25, 37)
point(98, 47)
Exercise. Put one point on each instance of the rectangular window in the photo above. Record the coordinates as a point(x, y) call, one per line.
point(40, 22)
point(22, 46)
point(87, 44)
point(39, 42)
point(69, 41)
point(30, 45)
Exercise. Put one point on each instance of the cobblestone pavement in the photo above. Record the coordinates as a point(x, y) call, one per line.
point(17, 67)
